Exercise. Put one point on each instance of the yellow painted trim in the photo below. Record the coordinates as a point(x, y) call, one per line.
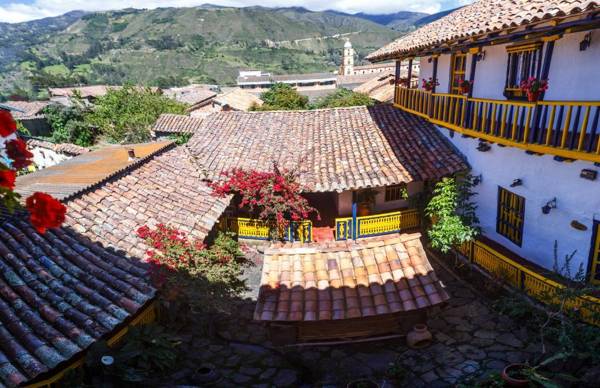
point(533, 283)
point(524, 47)
point(475, 50)
point(147, 315)
point(551, 38)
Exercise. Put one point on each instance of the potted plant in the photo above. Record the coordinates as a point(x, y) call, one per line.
point(521, 375)
point(430, 84)
point(464, 86)
point(362, 383)
point(366, 202)
point(534, 87)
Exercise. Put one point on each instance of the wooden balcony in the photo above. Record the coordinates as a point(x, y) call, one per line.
point(568, 129)
point(376, 225)
point(248, 228)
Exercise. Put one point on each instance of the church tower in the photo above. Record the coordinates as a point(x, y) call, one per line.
point(347, 67)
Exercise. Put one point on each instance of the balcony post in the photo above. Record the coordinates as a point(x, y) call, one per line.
point(434, 75)
point(354, 218)
point(410, 63)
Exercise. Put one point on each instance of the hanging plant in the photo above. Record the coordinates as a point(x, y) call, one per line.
point(430, 84)
point(464, 86)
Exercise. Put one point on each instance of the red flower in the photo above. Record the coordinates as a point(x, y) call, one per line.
point(8, 126)
point(17, 150)
point(45, 211)
point(7, 179)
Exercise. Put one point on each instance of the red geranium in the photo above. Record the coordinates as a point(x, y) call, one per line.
point(7, 179)
point(17, 150)
point(45, 211)
point(8, 126)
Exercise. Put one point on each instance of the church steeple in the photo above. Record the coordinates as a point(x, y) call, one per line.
point(347, 67)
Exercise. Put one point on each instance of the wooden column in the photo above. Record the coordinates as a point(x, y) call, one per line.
point(397, 77)
point(543, 72)
point(410, 62)
point(354, 213)
point(434, 72)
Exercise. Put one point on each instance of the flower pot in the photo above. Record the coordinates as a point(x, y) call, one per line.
point(419, 337)
point(363, 209)
point(533, 96)
point(512, 375)
point(206, 375)
point(362, 383)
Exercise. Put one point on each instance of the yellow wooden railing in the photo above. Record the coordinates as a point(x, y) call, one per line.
point(378, 224)
point(570, 130)
point(526, 279)
point(257, 230)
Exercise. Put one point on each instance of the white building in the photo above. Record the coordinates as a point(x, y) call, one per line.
point(537, 161)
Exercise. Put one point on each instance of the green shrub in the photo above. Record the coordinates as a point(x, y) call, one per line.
point(282, 97)
point(342, 98)
point(125, 115)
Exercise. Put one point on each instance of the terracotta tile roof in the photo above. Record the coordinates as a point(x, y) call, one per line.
point(343, 280)
point(166, 188)
point(380, 87)
point(86, 170)
point(172, 123)
point(63, 148)
point(332, 149)
point(238, 99)
point(59, 293)
point(29, 109)
point(484, 16)
point(85, 91)
point(192, 95)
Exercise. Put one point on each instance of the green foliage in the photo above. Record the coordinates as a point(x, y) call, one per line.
point(452, 212)
point(146, 350)
point(282, 97)
point(342, 98)
point(125, 115)
point(68, 123)
point(180, 138)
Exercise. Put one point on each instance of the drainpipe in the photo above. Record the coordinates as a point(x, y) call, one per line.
point(354, 211)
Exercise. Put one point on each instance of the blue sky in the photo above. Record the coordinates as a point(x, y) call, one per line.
point(21, 10)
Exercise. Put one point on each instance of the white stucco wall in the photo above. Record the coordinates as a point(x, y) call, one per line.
point(574, 74)
point(43, 157)
point(543, 179)
point(426, 70)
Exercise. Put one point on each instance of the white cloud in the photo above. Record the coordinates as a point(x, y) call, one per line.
point(14, 11)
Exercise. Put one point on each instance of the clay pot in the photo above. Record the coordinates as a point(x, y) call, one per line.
point(511, 376)
point(363, 210)
point(206, 376)
point(419, 337)
point(533, 96)
point(366, 383)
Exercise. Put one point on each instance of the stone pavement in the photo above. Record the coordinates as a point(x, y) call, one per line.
point(471, 340)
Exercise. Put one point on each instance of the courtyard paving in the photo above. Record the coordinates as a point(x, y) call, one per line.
point(471, 340)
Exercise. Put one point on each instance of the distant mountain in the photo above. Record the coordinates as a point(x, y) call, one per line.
point(400, 21)
point(174, 46)
point(171, 46)
point(431, 18)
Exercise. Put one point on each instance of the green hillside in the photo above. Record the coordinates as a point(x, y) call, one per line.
point(171, 46)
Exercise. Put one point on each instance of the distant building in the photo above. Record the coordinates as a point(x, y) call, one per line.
point(255, 79)
point(30, 114)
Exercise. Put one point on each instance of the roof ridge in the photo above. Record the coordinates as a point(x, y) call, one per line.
point(120, 172)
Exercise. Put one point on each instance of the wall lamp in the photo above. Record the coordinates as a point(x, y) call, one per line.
point(483, 147)
point(516, 182)
point(549, 206)
point(477, 179)
point(586, 42)
point(481, 56)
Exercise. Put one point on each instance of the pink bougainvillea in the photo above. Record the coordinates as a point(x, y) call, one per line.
point(274, 196)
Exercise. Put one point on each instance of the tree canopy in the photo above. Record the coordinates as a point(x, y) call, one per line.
point(282, 97)
point(344, 97)
point(125, 115)
point(285, 97)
